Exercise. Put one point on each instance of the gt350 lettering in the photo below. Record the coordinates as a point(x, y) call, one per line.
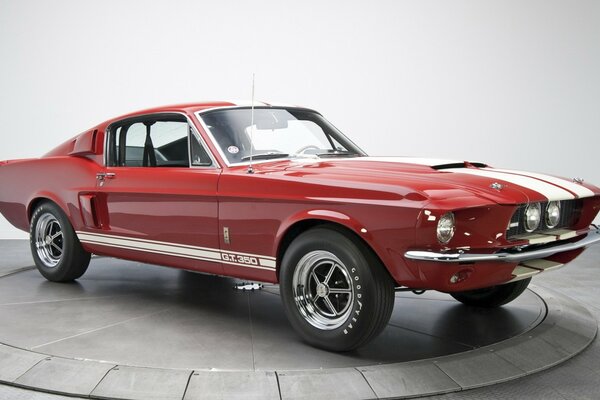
point(239, 259)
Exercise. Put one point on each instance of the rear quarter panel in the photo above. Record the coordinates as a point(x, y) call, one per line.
point(59, 179)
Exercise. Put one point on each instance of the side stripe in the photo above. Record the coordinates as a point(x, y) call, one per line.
point(551, 192)
point(180, 250)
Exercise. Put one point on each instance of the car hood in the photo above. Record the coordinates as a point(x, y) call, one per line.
point(434, 178)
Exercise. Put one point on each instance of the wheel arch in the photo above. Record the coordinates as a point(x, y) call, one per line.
point(42, 198)
point(310, 220)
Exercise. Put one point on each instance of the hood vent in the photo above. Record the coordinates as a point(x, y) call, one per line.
point(464, 164)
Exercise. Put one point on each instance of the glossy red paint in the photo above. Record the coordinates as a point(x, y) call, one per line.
point(393, 207)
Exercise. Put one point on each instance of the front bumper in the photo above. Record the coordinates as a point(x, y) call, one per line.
point(504, 256)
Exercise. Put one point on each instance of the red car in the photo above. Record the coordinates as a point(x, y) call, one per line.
point(277, 194)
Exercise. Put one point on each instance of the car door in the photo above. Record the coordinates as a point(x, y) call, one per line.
point(156, 197)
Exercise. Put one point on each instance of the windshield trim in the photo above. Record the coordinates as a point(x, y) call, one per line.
point(224, 158)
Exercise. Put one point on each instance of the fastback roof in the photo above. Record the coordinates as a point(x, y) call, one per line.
point(194, 107)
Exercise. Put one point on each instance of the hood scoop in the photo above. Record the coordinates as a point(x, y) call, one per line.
point(464, 164)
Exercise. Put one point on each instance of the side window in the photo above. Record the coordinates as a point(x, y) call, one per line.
point(155, 143)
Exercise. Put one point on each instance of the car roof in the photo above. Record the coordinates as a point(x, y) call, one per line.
point(190, 108)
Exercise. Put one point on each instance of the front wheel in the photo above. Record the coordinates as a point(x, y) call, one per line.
point(336, 293)
point(494, 296)
point(55, 247)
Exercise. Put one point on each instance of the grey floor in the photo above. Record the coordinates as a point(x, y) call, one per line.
point(573, 380)
point(120, 309)
point(15, 255)
point(576, 379)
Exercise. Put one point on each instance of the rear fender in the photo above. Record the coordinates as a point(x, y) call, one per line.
point(42, 196)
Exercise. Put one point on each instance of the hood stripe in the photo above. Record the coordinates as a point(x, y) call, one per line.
point(579, 190)
point(551, 187)
point(550, 191)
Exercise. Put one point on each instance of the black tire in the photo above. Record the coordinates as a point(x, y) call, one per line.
point(55, 247)
point(494, 296)
point(359, 288)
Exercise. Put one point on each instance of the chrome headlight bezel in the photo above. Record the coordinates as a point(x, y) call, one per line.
point(446, 227)
point(552, 214)
point(532, 217)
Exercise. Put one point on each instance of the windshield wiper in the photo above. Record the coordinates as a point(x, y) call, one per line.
point(339, 153)
point(265, 156)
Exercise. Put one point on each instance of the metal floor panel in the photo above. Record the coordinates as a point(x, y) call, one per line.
point(160, 325)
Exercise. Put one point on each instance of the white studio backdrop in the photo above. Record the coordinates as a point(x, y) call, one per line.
point(510, 82)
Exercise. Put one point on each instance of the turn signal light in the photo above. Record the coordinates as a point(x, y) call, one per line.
point(461, 276)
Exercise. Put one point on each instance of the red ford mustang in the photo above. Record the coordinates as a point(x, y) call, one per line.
point(277, 194)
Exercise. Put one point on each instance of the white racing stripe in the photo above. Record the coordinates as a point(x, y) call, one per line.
point(161, 247)
point(551, 192)
point(530, 180)
point(580, 191)
point(180, 250)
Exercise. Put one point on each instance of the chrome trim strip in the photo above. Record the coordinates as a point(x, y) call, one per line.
point(592, 237)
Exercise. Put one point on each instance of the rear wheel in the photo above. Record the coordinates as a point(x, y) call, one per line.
point(336, 293)
point(494, 296)
point(55, 247)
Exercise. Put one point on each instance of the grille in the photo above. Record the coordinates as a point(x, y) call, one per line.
point(569, 215)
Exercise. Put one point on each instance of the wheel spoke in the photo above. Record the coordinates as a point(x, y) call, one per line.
point(57, 234)
point(329, 305)
point(56, 247)
point(328, 277)
point(336, 290)
point(315, 277)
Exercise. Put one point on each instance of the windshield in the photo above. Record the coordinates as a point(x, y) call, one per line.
point(276, 133)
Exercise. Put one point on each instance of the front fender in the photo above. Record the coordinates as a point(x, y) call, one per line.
point(384, 234)
point(319, 215)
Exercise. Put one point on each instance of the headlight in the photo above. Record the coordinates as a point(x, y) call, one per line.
point(552, 214)
point(445, 228)
point(533, 215)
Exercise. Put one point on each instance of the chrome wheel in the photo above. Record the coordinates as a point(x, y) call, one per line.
point(49, 240)
point(323, 290)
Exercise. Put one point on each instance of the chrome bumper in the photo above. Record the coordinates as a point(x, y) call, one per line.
point(592, 237)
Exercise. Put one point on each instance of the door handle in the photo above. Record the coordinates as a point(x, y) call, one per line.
point(101, 176)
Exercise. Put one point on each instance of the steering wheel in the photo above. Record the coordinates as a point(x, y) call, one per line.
point(302, 149)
